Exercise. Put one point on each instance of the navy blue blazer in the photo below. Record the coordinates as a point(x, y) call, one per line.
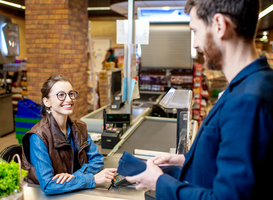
point(232, 155)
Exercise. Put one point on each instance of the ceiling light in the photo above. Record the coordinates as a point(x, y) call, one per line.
point(98, 8)
point(166, 8)
point(265, 33)
point(12, 4)
point(266, 11)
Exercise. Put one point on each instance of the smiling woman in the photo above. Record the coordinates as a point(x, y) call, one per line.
point(58, 153)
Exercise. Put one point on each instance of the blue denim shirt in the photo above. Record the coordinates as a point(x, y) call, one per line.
point(83, 178)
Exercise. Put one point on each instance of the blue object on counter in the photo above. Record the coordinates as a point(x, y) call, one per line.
point(129, 165)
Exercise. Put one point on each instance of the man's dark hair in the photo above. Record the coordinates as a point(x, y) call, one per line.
point(243, 13)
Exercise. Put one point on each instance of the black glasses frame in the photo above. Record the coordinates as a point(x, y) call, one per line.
point(69, 94)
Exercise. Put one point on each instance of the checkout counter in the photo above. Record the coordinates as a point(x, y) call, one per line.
point(148, 99)
point(94, 121)
point(150, 133)
point(101, 192)
point(144, 132)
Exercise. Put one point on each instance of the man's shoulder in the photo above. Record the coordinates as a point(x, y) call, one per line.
point(259, 84)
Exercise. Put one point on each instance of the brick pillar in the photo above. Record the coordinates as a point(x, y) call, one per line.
point(56, 43)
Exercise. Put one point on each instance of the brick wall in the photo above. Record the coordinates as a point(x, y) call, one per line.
point(56, 43)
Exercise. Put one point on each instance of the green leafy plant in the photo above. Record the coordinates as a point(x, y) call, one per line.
point(10, 178)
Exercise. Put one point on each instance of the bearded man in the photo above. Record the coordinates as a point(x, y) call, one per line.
point(231, 157)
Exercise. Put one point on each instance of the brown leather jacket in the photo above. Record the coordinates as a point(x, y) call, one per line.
point(60, 152)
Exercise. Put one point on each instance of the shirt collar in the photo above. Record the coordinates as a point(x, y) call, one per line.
point(68, 130)
point(258, 64)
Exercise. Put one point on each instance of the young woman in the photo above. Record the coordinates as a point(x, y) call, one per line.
point(58, 153)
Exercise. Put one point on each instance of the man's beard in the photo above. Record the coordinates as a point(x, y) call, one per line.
point(214, 57)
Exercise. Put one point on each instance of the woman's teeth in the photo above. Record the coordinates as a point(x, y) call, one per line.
point(67, 106)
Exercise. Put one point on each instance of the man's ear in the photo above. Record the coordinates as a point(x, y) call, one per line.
point(46, 102)
point(222, 25)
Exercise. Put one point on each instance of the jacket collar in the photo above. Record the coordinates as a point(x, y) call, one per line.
point(58, 138)
point(257, 65)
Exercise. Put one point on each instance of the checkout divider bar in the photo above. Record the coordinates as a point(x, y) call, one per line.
point(99, 110)
point(126, 135)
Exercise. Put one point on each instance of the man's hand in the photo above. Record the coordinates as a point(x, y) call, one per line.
point(62, 177)
point(171, 159)
point(147, 179)
point(105, 175)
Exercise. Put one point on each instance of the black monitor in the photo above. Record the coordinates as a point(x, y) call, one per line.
point(116, 81)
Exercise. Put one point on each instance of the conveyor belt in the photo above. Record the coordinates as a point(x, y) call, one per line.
point(152, 134)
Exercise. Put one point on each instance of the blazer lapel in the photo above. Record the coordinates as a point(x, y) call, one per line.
point(211, 113)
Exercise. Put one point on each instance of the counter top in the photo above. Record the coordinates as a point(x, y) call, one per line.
point(100, 192)
point(5, 95)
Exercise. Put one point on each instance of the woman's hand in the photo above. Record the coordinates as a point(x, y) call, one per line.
point(171, 159)
point(105, 175)
point(62, 177)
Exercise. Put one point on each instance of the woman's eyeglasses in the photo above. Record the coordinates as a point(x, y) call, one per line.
point(61, 96)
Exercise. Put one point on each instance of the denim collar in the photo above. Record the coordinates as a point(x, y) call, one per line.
point(68, 129)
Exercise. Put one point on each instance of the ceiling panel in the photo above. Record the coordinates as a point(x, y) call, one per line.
point(266, 22)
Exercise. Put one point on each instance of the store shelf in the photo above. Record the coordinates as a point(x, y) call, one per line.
point(157, 80)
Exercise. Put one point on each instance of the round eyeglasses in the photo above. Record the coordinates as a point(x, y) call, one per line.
point(61, 96)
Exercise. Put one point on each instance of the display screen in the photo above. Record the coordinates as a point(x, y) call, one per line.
point(163, 14)
point(121, 118)
point(116, 82)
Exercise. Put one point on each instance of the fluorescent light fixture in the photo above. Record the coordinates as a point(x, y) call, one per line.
point(98, 8)
point(5, 47)
point(266, 11)
point(166, 8)
point(12, 4)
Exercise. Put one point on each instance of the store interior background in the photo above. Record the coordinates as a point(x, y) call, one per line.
point(103, 29)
